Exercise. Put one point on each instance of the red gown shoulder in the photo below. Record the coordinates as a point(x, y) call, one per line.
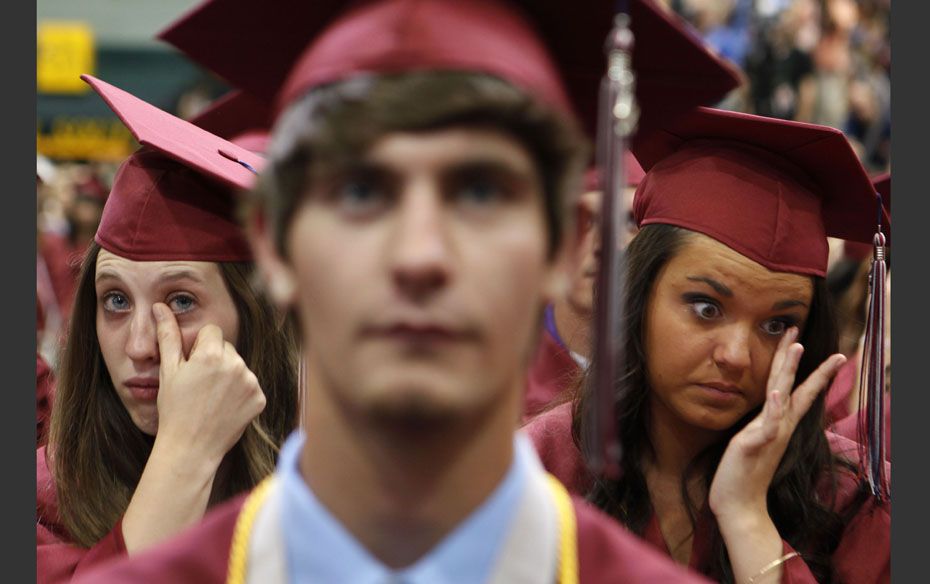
point(606, 553)
point(58, 559)
point(199, 555)
point(551, 373)
point(551, 434)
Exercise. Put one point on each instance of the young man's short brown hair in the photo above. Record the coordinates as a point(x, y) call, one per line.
point(328, 129)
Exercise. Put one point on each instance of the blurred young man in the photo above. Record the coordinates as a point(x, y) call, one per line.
point(413, 215)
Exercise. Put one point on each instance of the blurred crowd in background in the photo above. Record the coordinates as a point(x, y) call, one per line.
point(821, 61)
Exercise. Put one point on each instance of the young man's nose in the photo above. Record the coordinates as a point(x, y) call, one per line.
point(420, 245)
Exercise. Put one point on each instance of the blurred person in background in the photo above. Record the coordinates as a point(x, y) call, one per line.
point(565, 342)
point(779, 65)
point(68, 219)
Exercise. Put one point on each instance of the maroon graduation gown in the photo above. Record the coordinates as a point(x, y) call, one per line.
point(838, 416)
point(63, 260)
point(836, 404)
point(862, 557)
point(58, 559)
point(606, 554)
point(848, 427)
point(551, 373)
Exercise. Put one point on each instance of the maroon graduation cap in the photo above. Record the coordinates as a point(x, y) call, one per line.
point(857, 250)
point(770, 189)
point(173, 199)
point(240, 118)
point(277, 55)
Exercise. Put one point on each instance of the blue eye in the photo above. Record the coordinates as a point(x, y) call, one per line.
point(181, 303)
point(115, 302)
point(705, 310)
point(357, 196)
point(480, 192)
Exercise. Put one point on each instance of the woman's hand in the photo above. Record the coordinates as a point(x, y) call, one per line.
point(742, 480)
point(205, 401)
point(738, 493)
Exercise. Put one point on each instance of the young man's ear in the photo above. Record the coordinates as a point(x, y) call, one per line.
point(565, 259)
point(276, 276)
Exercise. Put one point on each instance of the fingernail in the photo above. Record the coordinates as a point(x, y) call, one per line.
point(157, 310)
point(793, 331)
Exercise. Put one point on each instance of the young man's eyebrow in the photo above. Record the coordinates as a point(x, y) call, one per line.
point(367, 170)
point(717, 286)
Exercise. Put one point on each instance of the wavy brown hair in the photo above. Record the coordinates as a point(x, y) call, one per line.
point(803, 517)
point(97, 454)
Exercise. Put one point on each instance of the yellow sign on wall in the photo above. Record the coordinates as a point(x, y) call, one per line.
point(85, 139)
point(64, 51)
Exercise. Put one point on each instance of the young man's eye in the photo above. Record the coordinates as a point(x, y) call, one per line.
point(181, 303)
point(359, 196)
point(115, 302)
point(481, 192)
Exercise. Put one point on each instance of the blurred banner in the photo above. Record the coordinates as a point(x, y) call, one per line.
point(72, 123)
point(64, 51)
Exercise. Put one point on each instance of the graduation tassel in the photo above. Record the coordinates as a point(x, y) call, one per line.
point(617, 117)
point(871, 420)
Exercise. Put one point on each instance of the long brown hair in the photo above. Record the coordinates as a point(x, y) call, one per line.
point(95, 451)
point(803, 518)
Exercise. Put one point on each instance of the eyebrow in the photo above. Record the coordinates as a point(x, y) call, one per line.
point(376, 171)
point(488, 166)
point(172, 276)
point(717, 286)
point(782, 305)
point(724, 291)
point(175, 275)
point(104, 275)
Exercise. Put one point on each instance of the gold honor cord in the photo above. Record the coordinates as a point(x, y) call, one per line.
point(239, 549)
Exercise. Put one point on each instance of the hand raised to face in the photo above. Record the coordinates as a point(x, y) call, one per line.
point(205, 401)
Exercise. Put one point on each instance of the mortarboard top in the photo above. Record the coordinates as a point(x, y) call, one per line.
point(633, 173)
point(253, 140)
point(539, 45)
point(771, 189)
point(173, 199)
point(237, 115)
point(857, 250)
point(882, 184)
